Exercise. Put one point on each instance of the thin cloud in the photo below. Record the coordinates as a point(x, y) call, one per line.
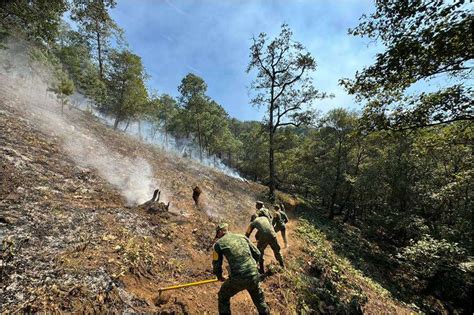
point(168, 38)
point(174, 7)
point(194, 69)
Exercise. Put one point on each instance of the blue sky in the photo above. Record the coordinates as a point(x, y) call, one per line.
point(211, 38)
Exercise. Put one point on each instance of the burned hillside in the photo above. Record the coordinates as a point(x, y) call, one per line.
point(75, 239)
point(70, 235)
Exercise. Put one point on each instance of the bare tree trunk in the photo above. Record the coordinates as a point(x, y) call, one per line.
point(116, 122)
point(272, 148)
point(272, 167)
point(118, 117)
point(126, 127)
point(336, 181)
point(153, 133)
point(140, 129)
point(200, 141)
point(347, 216)
point(99, 50)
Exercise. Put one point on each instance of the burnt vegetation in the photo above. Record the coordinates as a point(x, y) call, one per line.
point(154, 205)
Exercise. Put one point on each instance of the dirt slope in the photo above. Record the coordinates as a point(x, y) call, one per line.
point(71, 242)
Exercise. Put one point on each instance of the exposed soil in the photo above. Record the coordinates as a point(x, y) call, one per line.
point(74, 243)
point(71, 243)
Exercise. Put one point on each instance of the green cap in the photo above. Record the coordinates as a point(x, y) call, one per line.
point(221, 226)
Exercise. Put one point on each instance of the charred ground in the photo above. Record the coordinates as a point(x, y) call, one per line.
point(72, 242)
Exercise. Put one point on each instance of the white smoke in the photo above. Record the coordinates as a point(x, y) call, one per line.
point(148, 132)
point(133, 176)
point(25, 84)
point(183, 147)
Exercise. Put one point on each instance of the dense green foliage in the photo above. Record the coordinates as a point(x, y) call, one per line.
point(194, 115)
point(162, 114)
point(38, 19)
point(96, 26)
point(425, 40)
point(74, 53)
point(401, 171)
point(127, 95)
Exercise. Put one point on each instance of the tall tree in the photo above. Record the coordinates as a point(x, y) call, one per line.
point(253, 155)
point(216, 128)
point(162, 113)
point(64, 88)
point(193, 100)
point(75, 54)
point(96, 25)
point(424, 40)
point(335, 132)
point(127, 94)
point(283, 85)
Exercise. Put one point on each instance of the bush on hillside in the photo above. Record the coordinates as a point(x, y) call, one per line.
point(435, 266)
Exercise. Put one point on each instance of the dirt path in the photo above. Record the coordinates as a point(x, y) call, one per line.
point(241, 303)
point(204, 298)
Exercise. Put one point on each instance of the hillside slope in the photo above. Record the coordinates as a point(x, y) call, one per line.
point(73, 240)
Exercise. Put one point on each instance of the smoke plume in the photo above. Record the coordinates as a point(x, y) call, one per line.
point(26, 84)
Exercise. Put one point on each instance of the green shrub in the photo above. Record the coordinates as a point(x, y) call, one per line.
point(428, 257)
point(435, 265)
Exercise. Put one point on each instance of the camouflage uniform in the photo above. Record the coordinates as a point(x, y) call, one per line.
point(279, 224)
point(241, 256)
point(264, 212)
point(265, 236)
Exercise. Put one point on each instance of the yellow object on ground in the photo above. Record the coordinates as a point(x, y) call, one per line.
point(191, 284)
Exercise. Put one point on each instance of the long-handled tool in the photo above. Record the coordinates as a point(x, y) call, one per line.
point(191, 284)
point(163, 299)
